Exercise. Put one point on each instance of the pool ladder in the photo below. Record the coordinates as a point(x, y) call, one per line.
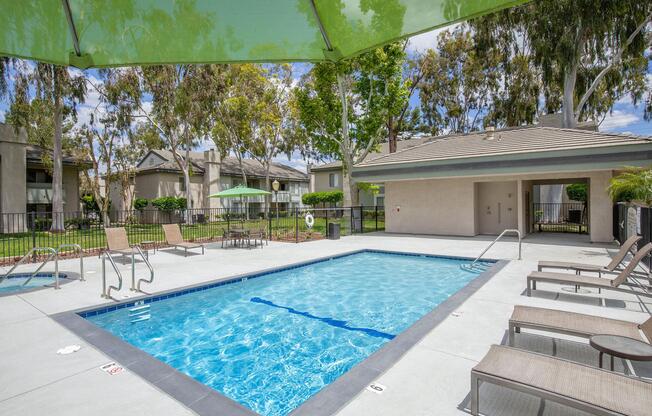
point(135, 285)
point(475, 266)
point(53, 255)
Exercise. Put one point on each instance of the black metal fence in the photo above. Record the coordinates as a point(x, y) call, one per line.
point(19, 232)
point(633, 220)
point(560, 217)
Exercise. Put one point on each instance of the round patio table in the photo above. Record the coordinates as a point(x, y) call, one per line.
point(621, 347)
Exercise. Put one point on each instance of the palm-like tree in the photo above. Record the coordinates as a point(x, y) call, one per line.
point(633, 184)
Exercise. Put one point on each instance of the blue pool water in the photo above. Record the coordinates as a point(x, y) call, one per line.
point(273, 341)
point(14, 283)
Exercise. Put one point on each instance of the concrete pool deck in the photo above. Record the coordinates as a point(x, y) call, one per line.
point(431, 378)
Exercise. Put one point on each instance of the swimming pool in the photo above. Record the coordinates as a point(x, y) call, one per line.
point(273, 341)
point(14, 283)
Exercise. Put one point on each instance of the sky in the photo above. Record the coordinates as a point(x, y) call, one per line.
point(625, 118)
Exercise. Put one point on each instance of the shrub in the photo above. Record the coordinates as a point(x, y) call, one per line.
point(577, 192)
point(140, 204)
point(168, 203)
point(633, 184)
point(80, 223)
point(89, 204)
point(315, 198)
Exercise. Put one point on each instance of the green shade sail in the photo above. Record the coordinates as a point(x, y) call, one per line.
point(239, 191)
point(104, 33)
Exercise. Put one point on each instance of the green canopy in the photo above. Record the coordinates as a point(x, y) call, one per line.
point(103, 33)
point(239, 191)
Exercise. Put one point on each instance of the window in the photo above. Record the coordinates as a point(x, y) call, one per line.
point(334, 180)
point(182, 184)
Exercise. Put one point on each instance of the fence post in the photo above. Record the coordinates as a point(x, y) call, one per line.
point(33, 222)
point(269, 219)
point(326, 223)
point(296, 225)
point(228, 220)
point(376, 215)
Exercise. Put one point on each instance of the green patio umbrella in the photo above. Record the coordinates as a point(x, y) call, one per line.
point(91, 33)
point(239, 191)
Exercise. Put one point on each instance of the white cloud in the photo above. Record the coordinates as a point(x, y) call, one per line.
point(428, 40)
point(618, 119)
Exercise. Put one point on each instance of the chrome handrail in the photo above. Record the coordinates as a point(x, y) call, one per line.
point(135, 286)
point(509, 230)
point(53, 254)
point(107, 294)
point(77, 248)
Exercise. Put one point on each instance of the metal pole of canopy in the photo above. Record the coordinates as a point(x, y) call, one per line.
point(324, 35)
point(71, 26)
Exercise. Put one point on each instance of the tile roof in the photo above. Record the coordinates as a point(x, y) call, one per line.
point(505, 142)
point(384, 150)
point(229, 166)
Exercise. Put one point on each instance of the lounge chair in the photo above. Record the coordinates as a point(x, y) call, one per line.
point(575, 324)
point(174, 238)
point(583, 267)
point(117, 241)
point(591, 281)
point(586, 388)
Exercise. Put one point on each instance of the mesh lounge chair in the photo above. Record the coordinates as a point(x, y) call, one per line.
point(591, 281)
point(575, 324)
point(590, 389)
point(583, 267)
point(117, 241)
point(174, 238)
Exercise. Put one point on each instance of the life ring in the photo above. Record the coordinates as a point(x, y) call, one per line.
point(310, 220)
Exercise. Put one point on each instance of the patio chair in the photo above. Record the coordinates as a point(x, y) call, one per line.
point(583, 267)
point(575, 324)
point(117, 241)
point(590, 389)
point(596, 282)
point(259, 234)
point(174, 238)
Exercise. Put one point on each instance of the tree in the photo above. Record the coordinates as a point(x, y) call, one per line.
point(240, 110)
point(633, 184)
point(45, 97)
point(273, 135)
point(342, 108)
point(457, 85)
point(590, 54)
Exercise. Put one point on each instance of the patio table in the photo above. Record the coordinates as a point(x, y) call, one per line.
point(621, 347)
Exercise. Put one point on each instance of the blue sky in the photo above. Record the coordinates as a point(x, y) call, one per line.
point(625, 117)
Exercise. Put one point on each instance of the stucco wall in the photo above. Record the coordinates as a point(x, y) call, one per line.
point(448, 206)
point(70, 180)
point(440, 206)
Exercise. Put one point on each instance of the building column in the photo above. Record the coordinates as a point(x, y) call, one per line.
point(600, 208)
point(211, 183)
point(13, 180)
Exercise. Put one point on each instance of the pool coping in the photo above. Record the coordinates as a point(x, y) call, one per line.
point(205, 401)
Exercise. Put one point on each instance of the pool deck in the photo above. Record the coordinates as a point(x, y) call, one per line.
point(431, 378)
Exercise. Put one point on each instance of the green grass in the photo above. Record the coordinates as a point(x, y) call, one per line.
point(16, 245)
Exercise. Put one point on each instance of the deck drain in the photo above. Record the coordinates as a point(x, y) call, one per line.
point(69, 349)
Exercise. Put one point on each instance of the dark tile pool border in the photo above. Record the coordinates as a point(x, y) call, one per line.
point(205, 401)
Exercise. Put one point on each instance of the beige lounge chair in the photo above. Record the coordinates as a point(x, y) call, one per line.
point(583, 267)
point(586, 388)
point(592, 281)
point(174, 238)
point(117, 241)
point(575, 324)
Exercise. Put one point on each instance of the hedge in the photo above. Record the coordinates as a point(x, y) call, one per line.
point(315, 198)
point(169, 203)
point(140, 204)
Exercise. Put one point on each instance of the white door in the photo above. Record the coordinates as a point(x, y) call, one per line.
point(496, 205)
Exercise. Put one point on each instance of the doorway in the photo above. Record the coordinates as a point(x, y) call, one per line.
point(497, 207)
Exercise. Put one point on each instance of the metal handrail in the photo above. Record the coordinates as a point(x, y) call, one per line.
point(509, 230)
point(77, 248)
point(53, 254)
point(107, 294)
point(136, 285)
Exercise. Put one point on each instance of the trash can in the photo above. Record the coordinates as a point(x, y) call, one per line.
point(575, 216)
point(333, 231)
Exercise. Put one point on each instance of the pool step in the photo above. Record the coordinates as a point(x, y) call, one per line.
point(140, 313)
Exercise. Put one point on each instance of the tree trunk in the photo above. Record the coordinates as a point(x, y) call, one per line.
point(57, 168)
point(392, 135)
point(570, 77)
point(348, 184)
